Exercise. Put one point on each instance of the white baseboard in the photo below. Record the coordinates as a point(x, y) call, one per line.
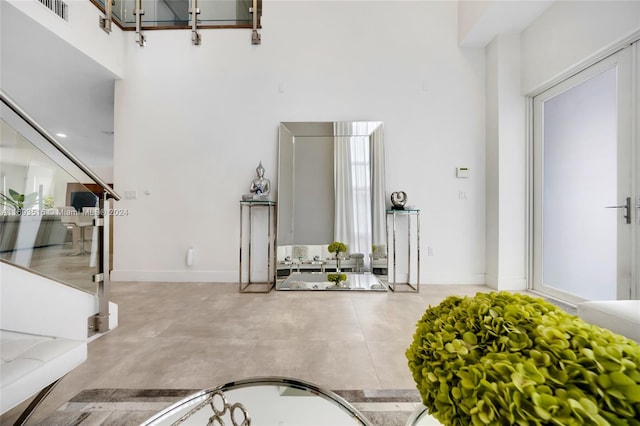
point(506, 283)
point(232, 277)
point(452, 278)
point(175, 276)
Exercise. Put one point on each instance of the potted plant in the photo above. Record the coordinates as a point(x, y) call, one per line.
point(337, 278)
point(503, 358)
point(337, 247)
point(18, 201)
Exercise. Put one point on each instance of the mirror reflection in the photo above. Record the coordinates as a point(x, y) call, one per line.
point(331, 187)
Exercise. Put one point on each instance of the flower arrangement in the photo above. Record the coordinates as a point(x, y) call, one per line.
point(337, 247)
point(48, 202)
point(502, 358)
point(336, 278)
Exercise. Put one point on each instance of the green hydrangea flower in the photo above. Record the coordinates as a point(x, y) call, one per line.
point(336, 278)
point(337, 247)
point(502, 358)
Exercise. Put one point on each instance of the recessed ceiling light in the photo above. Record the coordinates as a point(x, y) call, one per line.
point(61, 135)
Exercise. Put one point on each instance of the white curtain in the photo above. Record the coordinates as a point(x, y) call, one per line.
point(378, 188)
point(353, 194)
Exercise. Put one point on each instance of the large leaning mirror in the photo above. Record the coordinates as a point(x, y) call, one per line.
point(331, 187)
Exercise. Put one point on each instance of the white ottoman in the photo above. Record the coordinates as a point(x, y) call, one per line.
point(619, 316)
point(31, 362)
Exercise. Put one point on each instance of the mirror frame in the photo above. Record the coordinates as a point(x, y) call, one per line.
point(290, 131)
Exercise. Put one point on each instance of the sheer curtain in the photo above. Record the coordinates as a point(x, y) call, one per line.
point(378, 191)
point(359, 167)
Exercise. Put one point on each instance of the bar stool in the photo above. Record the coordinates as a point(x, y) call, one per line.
point(68, 218)
point(359, 261)
point(83, 221)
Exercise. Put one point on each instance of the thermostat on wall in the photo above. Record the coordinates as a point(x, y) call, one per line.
point(462, 172)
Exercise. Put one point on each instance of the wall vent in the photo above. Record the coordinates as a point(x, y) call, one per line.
point(58, 7)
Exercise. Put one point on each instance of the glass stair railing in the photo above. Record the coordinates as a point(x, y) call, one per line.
point(55, 213)
point(172, 14)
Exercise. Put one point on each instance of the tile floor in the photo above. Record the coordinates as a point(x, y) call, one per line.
point(198, 335)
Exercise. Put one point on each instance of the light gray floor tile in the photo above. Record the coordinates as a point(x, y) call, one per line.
point(200, 335)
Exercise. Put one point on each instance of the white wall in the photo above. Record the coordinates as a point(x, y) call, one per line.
point(571, 34)
point(193, 121)
point(512, 217)
point(191, 124)
point(506, 171)
point(81, 30)
point(492, 193)
point(479, 22)
point(470, 14)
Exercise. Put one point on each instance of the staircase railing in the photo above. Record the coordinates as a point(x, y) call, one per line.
point(175, 14)
point(55, 211)
point(140, 15)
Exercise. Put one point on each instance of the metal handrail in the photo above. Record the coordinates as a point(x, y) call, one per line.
point(127, 26)
point(75, 160)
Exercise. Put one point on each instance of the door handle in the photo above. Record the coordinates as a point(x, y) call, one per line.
point(627, 208)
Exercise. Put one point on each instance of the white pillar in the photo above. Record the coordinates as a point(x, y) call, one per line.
point(505, 166)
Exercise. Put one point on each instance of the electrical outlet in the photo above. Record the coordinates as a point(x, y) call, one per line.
point(429, 251)
point(462, 172)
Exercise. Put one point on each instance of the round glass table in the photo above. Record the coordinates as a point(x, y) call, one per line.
point(421, 417)
point(276, 401)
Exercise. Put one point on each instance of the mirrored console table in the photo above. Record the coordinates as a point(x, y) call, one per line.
point(404, 249)
point(259, 250)
point(320, 281)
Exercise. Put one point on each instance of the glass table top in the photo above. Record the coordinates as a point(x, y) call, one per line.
point(420, 417)
point(319, 281)
point(265, 401)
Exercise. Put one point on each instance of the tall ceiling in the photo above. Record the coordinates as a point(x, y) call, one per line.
point(61, 88)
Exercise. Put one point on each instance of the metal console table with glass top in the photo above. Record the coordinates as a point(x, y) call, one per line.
point(265, 250)
point(412, 253)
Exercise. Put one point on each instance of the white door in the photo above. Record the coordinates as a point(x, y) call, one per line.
point(585, 223)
